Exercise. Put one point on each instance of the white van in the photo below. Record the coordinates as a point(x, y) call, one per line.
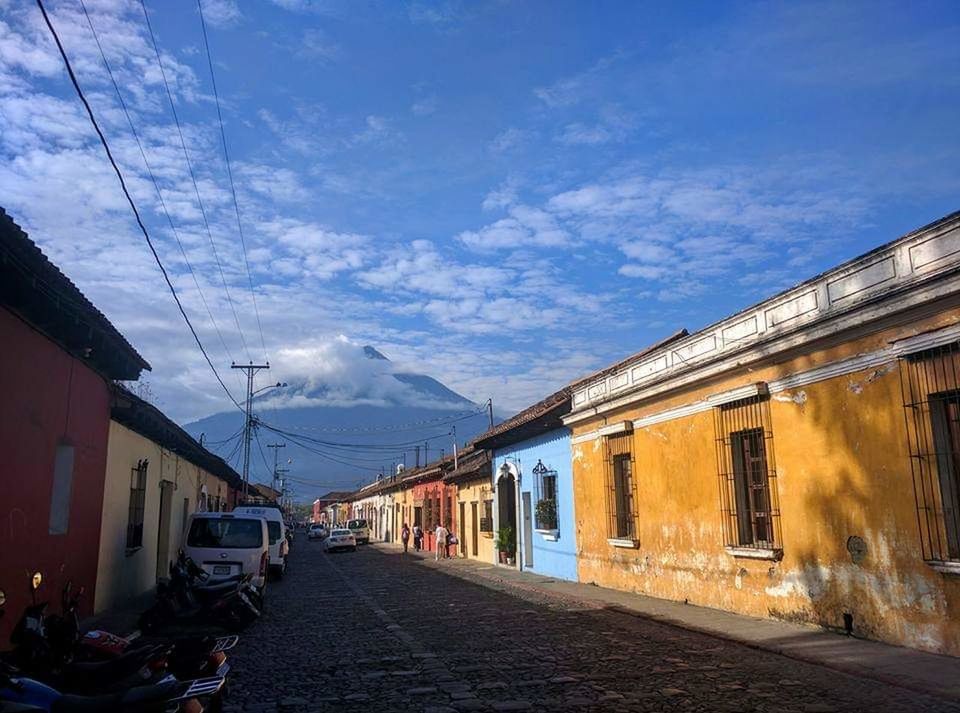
point(227, 544)
point(277, 529)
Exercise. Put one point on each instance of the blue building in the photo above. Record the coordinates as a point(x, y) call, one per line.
point(533, 488)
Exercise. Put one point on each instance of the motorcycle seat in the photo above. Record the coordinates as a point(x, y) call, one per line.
point(140, 698)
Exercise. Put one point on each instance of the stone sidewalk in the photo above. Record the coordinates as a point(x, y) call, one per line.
point(915, 670)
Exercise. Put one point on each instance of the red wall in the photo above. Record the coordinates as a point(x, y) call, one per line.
point(432, 489)
point(46, 395)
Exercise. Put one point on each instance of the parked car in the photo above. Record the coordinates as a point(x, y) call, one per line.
point(360, 531)
point(229, 544)
point(340, 540)
point(279, 545)
point(317, 531)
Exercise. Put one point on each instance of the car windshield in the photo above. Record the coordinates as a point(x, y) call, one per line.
point(340, 533)
point(273, 529)
point(316, 527)
point(225, 533)
point(356, 524)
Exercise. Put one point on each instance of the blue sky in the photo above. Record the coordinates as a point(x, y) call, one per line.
point(504, 195)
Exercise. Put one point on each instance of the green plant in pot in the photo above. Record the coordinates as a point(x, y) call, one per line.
point(546, 514)
point(506, 543)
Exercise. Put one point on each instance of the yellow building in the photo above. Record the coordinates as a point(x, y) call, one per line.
point(798, 460)
point(473, 516)
point(156, 475)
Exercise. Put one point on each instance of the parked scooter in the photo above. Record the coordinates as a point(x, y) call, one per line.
point(22, 694)
point(184, 600)
point(188, 657)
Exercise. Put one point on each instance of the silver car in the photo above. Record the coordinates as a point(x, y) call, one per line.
point(340, 540)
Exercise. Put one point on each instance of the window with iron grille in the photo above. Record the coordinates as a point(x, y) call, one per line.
point(138, 496)
point(486, 522)
point(545, 494)
point(931, 398)
point(748, 490)
point(621, 487)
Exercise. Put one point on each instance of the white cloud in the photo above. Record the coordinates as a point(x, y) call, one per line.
point(509, 139)
point(316, 44)
point(221, 13)
point(424, 107)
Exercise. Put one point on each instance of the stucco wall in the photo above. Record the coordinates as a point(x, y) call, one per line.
point(124, 574)
point(555, 558)
point(843, 470)
point(469, 493)
point(49, 397)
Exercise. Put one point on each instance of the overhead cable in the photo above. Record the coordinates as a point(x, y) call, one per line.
point(126, 192)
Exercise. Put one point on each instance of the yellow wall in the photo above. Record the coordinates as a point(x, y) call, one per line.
point(123, 574)
point(475, 492)
point(842, 465)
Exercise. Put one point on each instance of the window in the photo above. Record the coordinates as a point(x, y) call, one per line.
point(138, 495)
point(486, 522)
point(747, 477)
point(621, 488)
point(545, 493)
point(226, 533)
point(62, 489)
point(931, 395)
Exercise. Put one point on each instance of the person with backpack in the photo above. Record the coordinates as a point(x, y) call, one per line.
point(405, 536)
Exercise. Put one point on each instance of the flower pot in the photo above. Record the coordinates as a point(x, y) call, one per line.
point(511, 561)
point(503, 558)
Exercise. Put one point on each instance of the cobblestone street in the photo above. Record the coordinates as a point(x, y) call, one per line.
point(377, 631)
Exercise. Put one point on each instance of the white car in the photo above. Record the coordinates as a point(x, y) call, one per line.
point(317, 531)
point(279, 546)
point(228, 544)
point(340, 540)
point(360, 531)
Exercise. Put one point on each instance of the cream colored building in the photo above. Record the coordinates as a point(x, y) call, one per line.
point(156, 475)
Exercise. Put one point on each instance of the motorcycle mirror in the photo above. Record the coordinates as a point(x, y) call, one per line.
point(36, 581)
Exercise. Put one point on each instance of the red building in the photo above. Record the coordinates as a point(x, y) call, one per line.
point(433, 501)
point(59, 358)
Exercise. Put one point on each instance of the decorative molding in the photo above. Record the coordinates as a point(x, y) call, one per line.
point(915, 269)
point(584, 437)
point(743, 392)
point(754, 553)
point(615, 428)
point(626, 544)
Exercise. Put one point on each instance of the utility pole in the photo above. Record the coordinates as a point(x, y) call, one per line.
point(251, 369)
point(490, 411)
point(276, 453)
point(417, 451)
point(455, 461)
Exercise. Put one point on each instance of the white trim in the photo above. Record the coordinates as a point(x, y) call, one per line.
point(549, 535)
point(945, 567)
point(615, 428)
point(743, 392)
point(584, 437)
point(754, 553)
point(619, 542)
point(670, 414)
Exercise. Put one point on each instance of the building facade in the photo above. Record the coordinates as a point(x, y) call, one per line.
point(795, 461)
point(473, 504)
point(59, 358)
point(156, 475)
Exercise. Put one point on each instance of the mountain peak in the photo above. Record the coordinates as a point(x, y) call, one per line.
point(372, 353)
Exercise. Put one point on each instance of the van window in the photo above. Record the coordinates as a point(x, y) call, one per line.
point(228, 534)
point(273, 530)
point(356, 524)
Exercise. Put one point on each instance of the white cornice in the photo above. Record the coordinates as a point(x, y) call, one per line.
point(918, 268)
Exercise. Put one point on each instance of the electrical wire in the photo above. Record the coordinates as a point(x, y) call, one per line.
point(133, 206)
point(233, 190)
point(411, 426)
point(193, 178)
point(153, 179)
point(353, 446)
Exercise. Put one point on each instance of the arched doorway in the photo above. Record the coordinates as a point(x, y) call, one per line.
point(507, 505)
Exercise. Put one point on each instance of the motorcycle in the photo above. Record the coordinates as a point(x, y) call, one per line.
point(187, 598)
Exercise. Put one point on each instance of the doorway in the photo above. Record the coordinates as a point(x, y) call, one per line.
point(527, 531)
point(163, 528)
point(507, 505)
point(474, 544)
point(462, 525)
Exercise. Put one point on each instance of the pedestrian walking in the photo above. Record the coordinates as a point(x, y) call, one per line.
point(452, 540)
point(441, 538)
point(405, 536)
point(417, 538)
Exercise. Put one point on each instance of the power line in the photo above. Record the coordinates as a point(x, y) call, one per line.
point(410, 426)
point(156, 185)
point(233, 190)
point(126, 192)
point(193, 178)
point(354, 446)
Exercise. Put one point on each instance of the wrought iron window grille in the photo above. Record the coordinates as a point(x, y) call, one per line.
point(749, 501)
point(621, 487)
point(930, 384)
point(546, 509)
point(138, 496)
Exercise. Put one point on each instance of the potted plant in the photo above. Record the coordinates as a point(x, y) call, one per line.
point(506, 544)
point(546, 513)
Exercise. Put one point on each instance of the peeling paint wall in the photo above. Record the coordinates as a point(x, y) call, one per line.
point(843, 473)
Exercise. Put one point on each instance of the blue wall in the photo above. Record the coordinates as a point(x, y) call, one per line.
point(554, 559)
